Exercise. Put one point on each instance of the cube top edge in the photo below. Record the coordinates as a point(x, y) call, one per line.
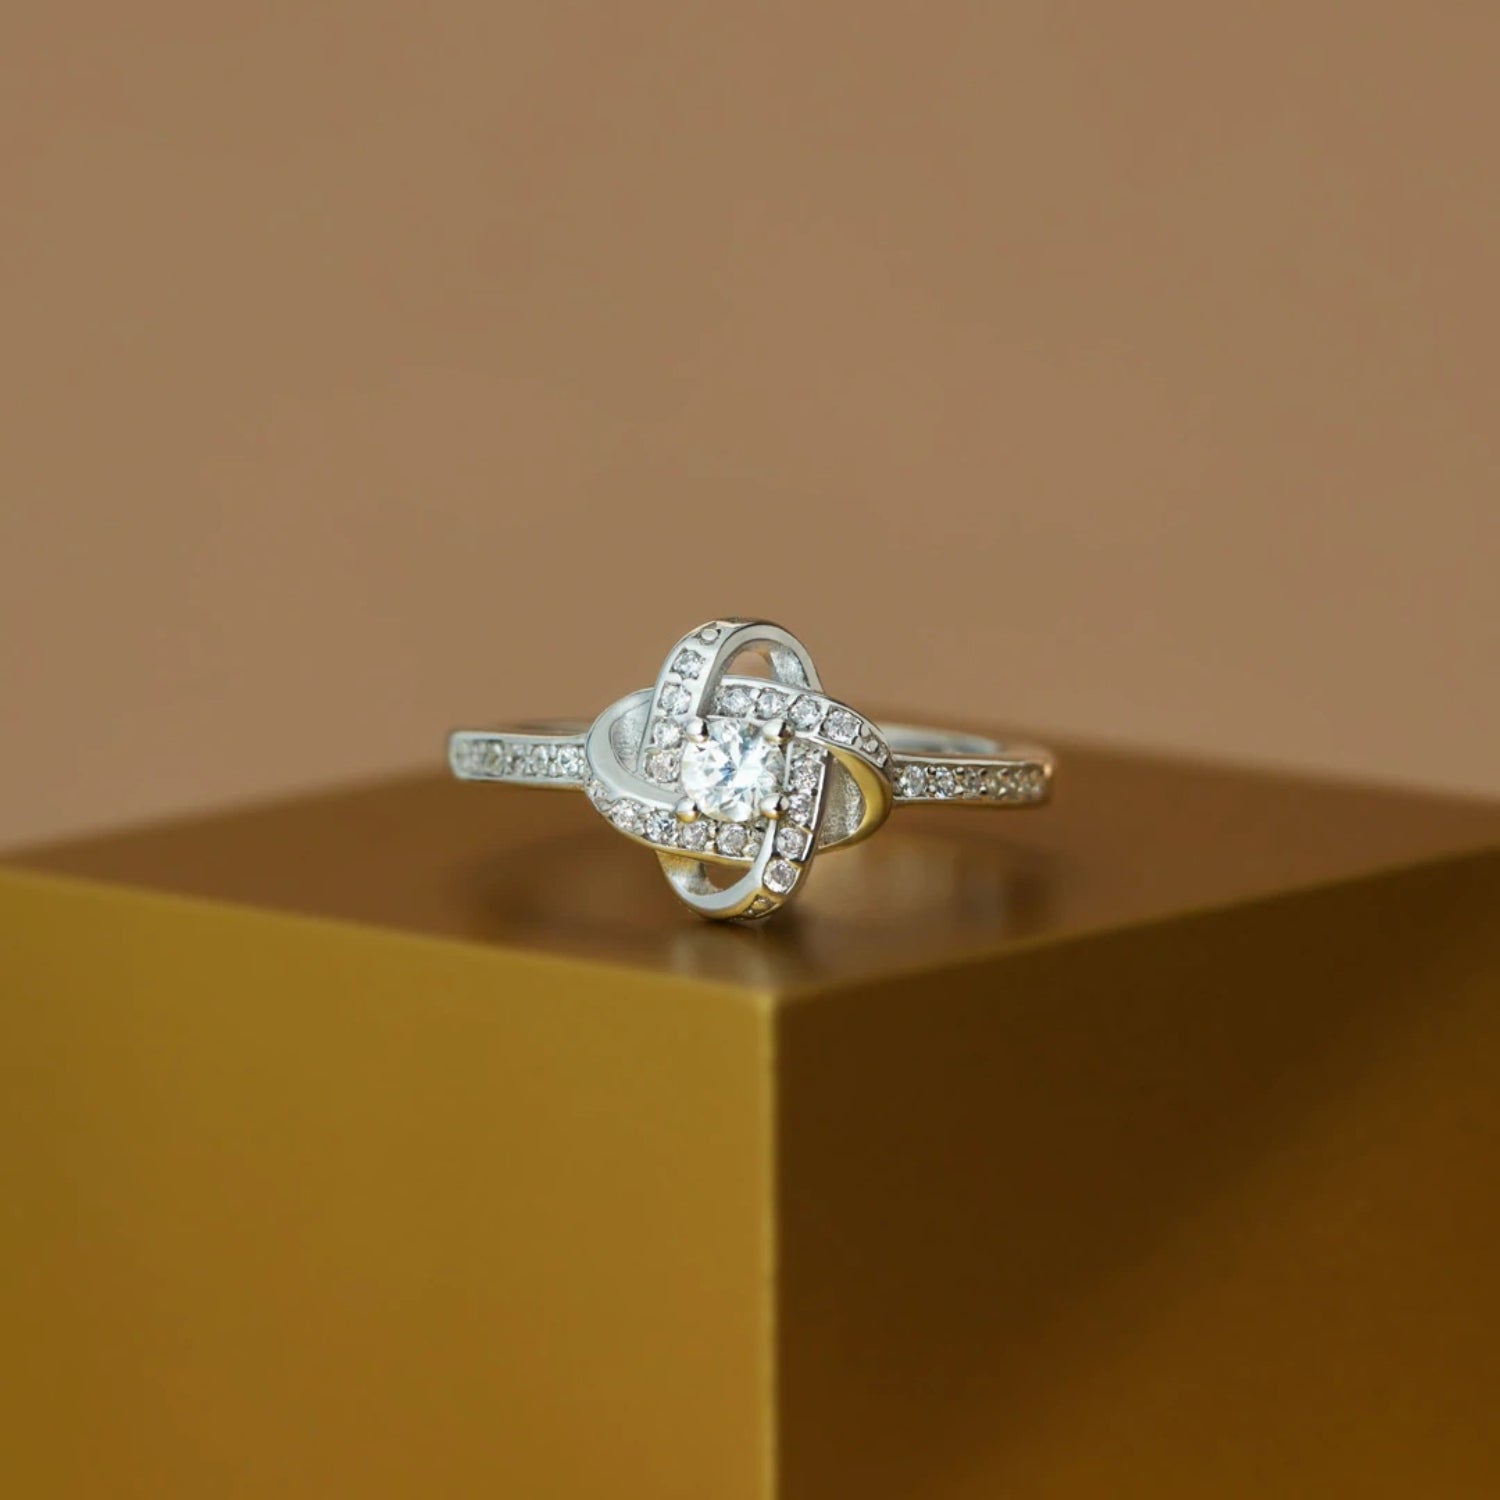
point(1131, 838)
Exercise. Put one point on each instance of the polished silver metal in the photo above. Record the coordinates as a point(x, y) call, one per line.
point(821, 776)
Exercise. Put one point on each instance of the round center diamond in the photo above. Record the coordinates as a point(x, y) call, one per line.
point(733, 772)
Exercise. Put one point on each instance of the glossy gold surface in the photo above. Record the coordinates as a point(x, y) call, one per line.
point(1129, 839)
point(1201, 1209)
point(298, 1209)
point(410, 1140)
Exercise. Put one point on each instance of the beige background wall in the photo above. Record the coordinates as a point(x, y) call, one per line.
point(371, 367)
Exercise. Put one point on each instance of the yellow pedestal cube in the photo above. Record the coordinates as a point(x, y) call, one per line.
point(410, 1140)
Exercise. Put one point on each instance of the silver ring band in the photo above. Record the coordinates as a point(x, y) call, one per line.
point(746, 778)
point(927, 764)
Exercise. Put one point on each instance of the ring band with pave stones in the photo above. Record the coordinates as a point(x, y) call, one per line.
point(736, 781)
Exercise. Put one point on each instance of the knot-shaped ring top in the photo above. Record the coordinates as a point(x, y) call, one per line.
point(738, 776)
point(737, 780)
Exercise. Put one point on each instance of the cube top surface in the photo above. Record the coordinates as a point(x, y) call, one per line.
point(1131, 839)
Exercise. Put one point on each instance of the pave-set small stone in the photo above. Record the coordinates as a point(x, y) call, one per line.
point(748, 776)
point(944, 781)
point(519, 758)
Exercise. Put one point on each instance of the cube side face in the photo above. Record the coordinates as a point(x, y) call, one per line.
point(1199, 1208)
point(302, 1209)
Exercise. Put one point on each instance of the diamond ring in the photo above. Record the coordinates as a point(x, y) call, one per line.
point(737, 780)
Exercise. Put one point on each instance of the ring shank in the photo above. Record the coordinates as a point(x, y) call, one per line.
point(949, 765)
point(544, 754)
point(928, 764)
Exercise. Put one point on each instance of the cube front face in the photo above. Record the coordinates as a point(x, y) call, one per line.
point(1201, 1208)
point(301, 1209)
